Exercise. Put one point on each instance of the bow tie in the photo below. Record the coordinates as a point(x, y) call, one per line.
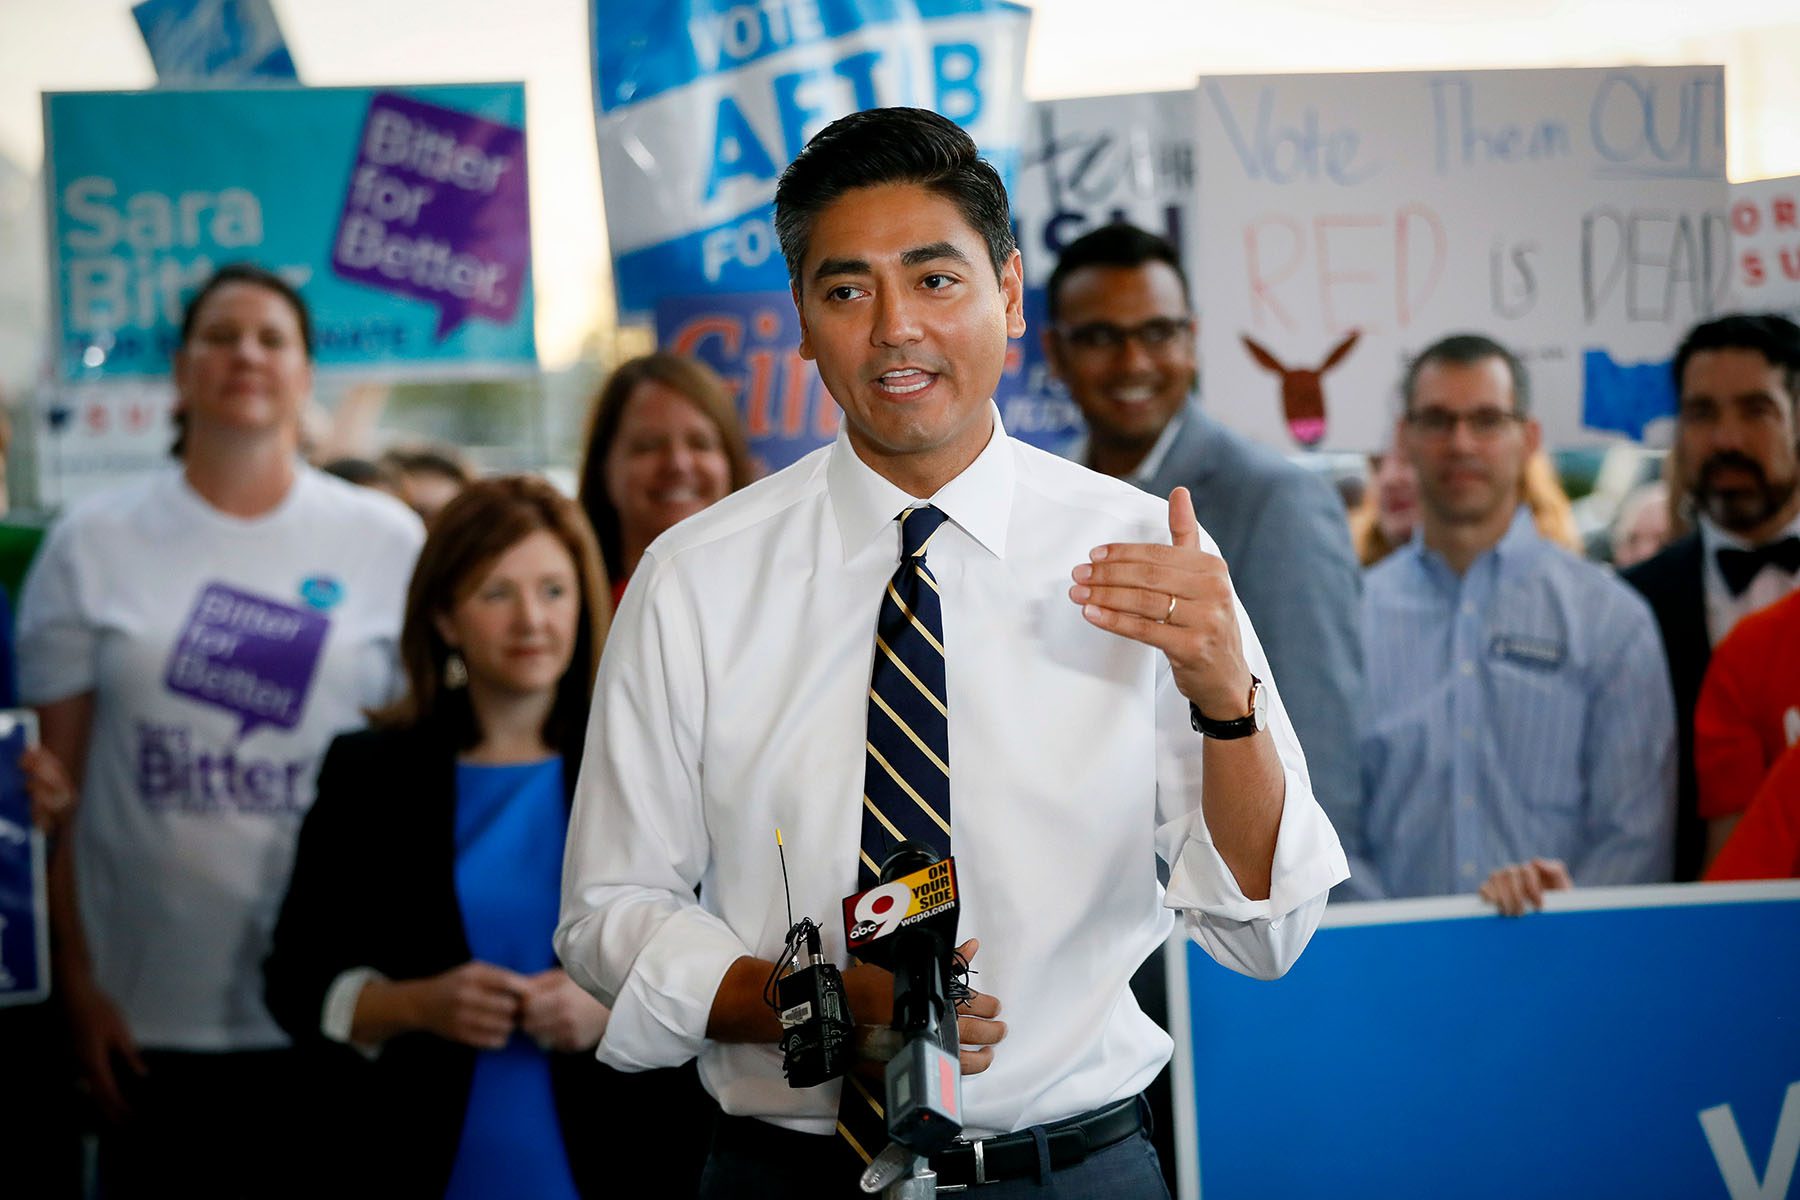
point(1739, 567)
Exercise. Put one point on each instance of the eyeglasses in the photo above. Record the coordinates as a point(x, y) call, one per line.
point(1441, 422)
point(1155, 335)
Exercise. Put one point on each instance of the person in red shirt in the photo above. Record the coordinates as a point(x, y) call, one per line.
point(1766, 843)
point(1748, 714)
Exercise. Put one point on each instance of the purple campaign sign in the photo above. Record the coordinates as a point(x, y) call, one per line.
point(437, 210)
point(248, 655)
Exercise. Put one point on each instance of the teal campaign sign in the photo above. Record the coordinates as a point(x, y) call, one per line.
point(1640, 1042)
point(401, 214)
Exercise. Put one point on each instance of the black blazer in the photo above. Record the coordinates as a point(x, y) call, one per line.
point(374, 885)
point(1671, 582)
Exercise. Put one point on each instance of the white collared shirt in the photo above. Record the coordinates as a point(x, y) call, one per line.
point(1723, 610)
point(732, 700)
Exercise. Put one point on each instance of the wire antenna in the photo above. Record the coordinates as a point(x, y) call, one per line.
point(786, 891)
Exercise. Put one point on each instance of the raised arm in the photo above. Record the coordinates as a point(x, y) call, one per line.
point(1251, 854)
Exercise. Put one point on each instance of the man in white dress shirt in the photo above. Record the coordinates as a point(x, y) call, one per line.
point(1082, 653)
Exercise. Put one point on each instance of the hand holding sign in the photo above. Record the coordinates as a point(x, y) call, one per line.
point(1519, 887)
point(52, 795)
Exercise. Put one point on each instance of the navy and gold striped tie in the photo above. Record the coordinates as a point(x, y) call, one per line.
point(906, 776)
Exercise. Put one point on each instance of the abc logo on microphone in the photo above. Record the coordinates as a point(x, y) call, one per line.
point(889, 907)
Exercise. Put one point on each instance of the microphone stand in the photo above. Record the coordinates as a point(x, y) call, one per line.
point(922, 1113)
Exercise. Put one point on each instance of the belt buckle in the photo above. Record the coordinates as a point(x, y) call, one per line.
point(978, 1146)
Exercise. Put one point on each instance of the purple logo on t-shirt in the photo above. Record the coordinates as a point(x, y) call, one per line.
point(248, 655)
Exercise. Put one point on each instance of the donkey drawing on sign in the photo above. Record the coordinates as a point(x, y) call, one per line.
point(1302, 391)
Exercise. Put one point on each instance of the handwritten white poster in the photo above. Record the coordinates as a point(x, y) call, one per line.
point(1577, 216)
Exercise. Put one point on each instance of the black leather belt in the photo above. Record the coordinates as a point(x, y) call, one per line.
point(1015, 1155)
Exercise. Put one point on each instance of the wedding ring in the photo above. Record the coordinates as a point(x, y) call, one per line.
point(1170, 615)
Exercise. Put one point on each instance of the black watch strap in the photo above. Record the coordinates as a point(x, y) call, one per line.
point(1237, 727)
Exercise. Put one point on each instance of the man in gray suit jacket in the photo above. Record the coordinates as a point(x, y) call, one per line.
point(1121, 337)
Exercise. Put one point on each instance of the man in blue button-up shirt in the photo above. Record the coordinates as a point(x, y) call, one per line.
point(1521, 733)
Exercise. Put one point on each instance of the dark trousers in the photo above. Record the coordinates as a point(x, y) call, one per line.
point(205, 1127)
point(40, 1110)
point(771, 1163)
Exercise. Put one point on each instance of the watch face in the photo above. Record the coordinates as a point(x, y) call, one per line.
point(1259, 703)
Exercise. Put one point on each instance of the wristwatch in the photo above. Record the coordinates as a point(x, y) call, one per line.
point(1238, 727)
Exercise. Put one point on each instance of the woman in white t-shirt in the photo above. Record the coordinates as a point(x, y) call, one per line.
point(193, 643)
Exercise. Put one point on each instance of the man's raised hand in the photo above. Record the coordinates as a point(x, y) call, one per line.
point(1178, 599)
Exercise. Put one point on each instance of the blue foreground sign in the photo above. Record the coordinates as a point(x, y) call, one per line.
point(1629, 1042)
point(24, 921)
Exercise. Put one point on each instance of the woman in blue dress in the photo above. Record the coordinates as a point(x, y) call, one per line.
point(449, 1053)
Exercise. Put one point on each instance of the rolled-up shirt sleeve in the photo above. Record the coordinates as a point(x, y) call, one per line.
point(1260, 938)
point(631, 930)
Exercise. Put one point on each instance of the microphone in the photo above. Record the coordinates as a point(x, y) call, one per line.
point(907, 923)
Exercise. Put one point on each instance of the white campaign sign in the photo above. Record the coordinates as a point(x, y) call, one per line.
point(1765, 245)
point(1577, 216)
point(1095, 159)
point(92, 437)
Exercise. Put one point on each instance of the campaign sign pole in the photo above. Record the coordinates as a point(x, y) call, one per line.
point(24, 909)
point(1640, 1042)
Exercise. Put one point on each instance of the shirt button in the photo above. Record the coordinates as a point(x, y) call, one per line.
point(1466, 667)
point(1468, 608)
point(1468, 802)
point(1468, 733)
point(1468, 870)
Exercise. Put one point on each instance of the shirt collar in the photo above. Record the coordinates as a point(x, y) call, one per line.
point(1713, 538)
point(1520, 540)
point(1521, 535)
point(1153, 461)
point(978, 501)
point(1146, 471)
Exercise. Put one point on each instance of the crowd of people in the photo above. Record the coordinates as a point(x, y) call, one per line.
point(310, 737)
